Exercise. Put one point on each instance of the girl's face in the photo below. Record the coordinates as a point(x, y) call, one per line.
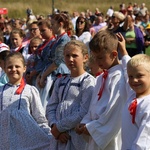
point(16, 40)
point(55, 27)
point(139, 80)
point(14, 69)
point(81, 24)
point(75, 60)
point(34, 45)
point(46, 33)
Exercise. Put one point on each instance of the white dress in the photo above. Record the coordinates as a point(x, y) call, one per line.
point(103, 120)
point(135, 136)
point(23, 125)
point(67, 106)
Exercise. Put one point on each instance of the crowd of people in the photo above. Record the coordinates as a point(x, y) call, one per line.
point(77, 81)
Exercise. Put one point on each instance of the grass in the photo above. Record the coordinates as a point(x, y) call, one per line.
point(17, 9)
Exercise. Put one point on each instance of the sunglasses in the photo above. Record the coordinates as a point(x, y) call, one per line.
point(33, 29)
point(81, 22)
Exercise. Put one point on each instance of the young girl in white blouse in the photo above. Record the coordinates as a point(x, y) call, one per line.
point(70, 99)
point(136, 113)
point(22, 120)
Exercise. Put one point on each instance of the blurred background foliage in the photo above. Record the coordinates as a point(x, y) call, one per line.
point(17, 8)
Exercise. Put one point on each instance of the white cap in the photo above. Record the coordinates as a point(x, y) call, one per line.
point(4, 47)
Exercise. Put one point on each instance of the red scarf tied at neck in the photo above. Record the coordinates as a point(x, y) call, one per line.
point(21, 86)
point(132, 109)
point(105, 74)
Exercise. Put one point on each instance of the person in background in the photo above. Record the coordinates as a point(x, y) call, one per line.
point(31, 61)
point(21, 110)
point(83, 30)
point(143, 9)
point(123, 9)
point(33, 32)
point(97, 12)
point(147, 40)
point(70, 99)
point(98, 24)
point(136, 9)
point(74, 18)
point(116, 22)
point(8, 29)
point(4, 51)
point(43, 50)
point(134, 37)
point(17, 24)
point(56, 66)
point(109, 12)
point(16, 37)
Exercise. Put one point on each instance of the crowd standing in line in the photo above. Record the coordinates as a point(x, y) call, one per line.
point(62, 85)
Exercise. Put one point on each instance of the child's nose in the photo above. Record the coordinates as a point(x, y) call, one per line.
point(13, 68)
point(135, 79)
point(71, 58)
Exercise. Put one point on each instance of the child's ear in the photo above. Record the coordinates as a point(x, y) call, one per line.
point(86, 57)
point(25, 68)
point(114, 53)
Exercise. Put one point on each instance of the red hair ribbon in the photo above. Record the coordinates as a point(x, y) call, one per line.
point(132, 109)
point(21, 87)
point(105, 74)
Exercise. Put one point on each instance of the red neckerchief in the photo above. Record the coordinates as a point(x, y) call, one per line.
point(132, 109)
point(21, 86)
point(58, 37)
point(44, 45)
point(19, 48)
point(105, 74)
point(98, 73)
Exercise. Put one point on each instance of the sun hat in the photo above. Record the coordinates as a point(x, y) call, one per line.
point(118, 15)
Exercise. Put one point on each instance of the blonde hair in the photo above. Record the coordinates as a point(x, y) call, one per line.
point(78, 44)
point(140, 59)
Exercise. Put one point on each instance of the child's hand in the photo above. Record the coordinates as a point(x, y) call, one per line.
point(38, 80)
point(121, 44)
point(147, 43)
point(55, 131)
point(42, 82)
point(79, 128)
point(85, 131)
point(64, 137)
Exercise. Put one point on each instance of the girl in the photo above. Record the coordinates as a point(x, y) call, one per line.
point(22, 121)
point(43, 50)
point(70, 99)
point(56, 65)
point(60, 24)
point(83, 30)
point(34, 43)
point(17, 36)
